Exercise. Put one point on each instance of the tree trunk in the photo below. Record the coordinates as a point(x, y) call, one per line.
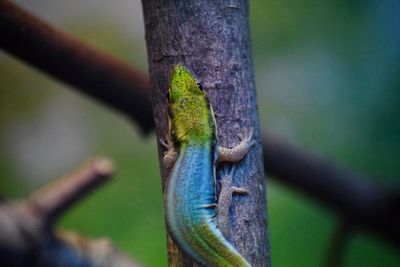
point(212, 39)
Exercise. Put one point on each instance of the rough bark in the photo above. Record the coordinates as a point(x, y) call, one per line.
point(212, 39)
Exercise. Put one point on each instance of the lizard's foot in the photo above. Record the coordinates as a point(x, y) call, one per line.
point(238, 152)
point(165, 143)
point(227, 173)
point(170, 154)
point(226, 182)
point(246, 137)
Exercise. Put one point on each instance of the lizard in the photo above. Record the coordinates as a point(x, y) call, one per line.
point(192, 155)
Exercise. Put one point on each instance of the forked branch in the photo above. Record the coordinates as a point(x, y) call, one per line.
point(27, 237)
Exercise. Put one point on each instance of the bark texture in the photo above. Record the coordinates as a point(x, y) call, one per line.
point(212, 39)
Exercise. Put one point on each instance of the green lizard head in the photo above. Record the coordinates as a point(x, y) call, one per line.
point(191, 115)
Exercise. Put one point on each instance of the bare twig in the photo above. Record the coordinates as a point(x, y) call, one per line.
point(354, 196)
point(52, 200)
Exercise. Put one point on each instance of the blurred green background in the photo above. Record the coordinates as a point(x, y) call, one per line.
point(328, 77)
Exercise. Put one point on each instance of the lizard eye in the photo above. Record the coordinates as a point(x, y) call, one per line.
point(200, 86)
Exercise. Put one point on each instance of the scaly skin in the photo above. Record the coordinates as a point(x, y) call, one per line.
point(190, 192)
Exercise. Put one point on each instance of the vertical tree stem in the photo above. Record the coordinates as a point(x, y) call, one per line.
point(212, 39)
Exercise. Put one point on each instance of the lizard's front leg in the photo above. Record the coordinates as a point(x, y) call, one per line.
point(236, 153)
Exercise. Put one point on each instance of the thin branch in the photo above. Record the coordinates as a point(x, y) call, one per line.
point(52, 200)
point(353, 195)
point(92, 72)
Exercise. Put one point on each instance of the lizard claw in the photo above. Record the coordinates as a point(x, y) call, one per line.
point(170, 153)
point(246, 134)
point(246, 137)
point(166, 142)
point(226, 175)
point(163, 143)
point(227, 172)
